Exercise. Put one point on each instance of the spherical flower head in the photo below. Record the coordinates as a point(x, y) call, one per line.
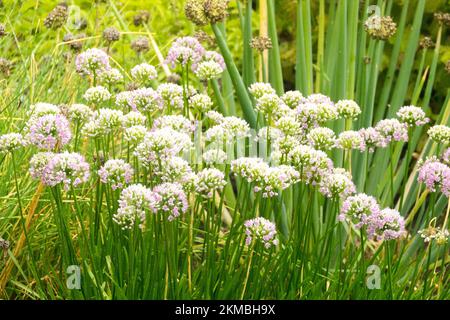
point(208, 181)
point(372, 139)
point(322, 138)
point(161, 144)
point(426, 43)
point(262, 230)
point(41, 109)
point(215, 10)
point(80, 113)
point(388, 224)
point(57, 17)
point(258, 89)
point(116, 172)
point(435, 175)
point(293, 98)
point(235, 127)
point(185, 50)
point(111, 77)
point(141, 17)
point(171, 96)
point(122, 99)
point(261, 43)
point(358, 208)
point(412, 116)
point(268, 104)
point(311, 163)
point(251, 169)
point(97, 95)
point(381, 28)
point(134, 202)
point(440, 134)
point(337, 184)
point(274, 179)
point(392, 130)
point(208, 70)
point(214, 56)
point(194, 11)
point(133, 118)
point(214, 156)
point(440, 236)
point(289, 126)
point(307, 115)
point(348, 109)
point(111, 34)
point(49, 131)
point(10, 142)
point(92, 61)
point(140, 45)
point(446, 156)
point(282, 146)
point(173, 169)
point(144, 73)
point(145, 100)
point(201, 102)
point(175, 122)
point(38, 163)
point(135, 134)
point(214, 116)
point(349, 140)
point(109, 119)
point(172, 200)
point(269, 132)
point(67, 168)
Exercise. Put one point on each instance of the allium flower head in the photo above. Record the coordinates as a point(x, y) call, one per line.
point(322, 138)
point(49, 131)
point(440, 134)
point(273, 133)
point(292, 99)
point(215, 10)
point(388, 224)
point(268, 104)
point(111, 34)
point(446, 156)
point(57, 17)
point(10, 142)
point(372, 138)
point(348, 109)
point(289, 126)
point(38, 163)
point(214, 56)
point(145, 100)
point(201, 102)
point(358, 208)
point(111, 77)
point(135, 134)
point(337, 183)
point(235, 127)
point(80, 112)
point(435, 175)
point(351, 140)
point(173, 169)
point(261, 229)
point(208, 70)
point(274, 179)
point(172, 200)
point(140, 45)
point(258, 89)
point(208, 181)
point(261, 43)
point(171, 95)
point(175, 122)
point(214, 156)
point(144, 73)
point(133, 118)
point(122, 99)
point(185, 50)
point(116, 172)
point(134, 202)
point(312, 164)
point(392, 130)
point(41, 109)
point(214, 116)
point(412, 116)
point(251, 169)
point(440, 236)
point(67, 168)
point(92, 61)
point(97, 95)
point(307, 115)
point(381, 28)
point(195, 12)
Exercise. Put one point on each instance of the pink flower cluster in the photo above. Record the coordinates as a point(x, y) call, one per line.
point(185, 50)
point(67, 168)
point(261, 229)
point(49, 131)
point(388, 224)
point(435, 175)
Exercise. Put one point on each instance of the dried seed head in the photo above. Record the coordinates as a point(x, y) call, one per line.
point(443, 18)
point(4, 244)
point(261, 43)
point(75, 45)
point(132, 86)
point(2, 30)
point(141, 17)
point(381, 28)
point(215, 10)
point(194, 10)
point(111, 34)
point(202, 36)
point(140, 45)
point(426, 42)
point(447, 66)
point(173, 78)
point(57, 17)
point(5, 67)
